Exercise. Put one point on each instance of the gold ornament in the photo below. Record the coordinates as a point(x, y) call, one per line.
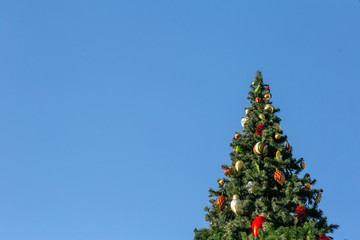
point(277, 136)
point(235, 204)
point(255, 82)
point(278, 155)
point(307, 185)
point(302, 165)
point(211, 223)
point(295, 220)
point(247, 111)
point(318, 197)
point(262, 116)
point(267, 96)
point(276, 126)
point(239, 165)
point(263, 215)
point(288, 147)
point(268, 107)
point(221, 182)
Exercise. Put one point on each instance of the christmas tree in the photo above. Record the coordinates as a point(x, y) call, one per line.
point(262, 195)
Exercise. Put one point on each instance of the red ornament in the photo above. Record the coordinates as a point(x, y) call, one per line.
point(236, 136)
point(267, 88)
point(257, 100)
point(257, 224)
point(279, 177)
point(227, 172)
point(300, 211)
point(324, 238)
point(259, 129)
point(221, 202)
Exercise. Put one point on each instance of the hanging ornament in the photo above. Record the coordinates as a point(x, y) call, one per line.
point(261, 116)
point(237, 136)
point(249, 186)
point(255, 82)
point(247, 111)
point(307, 186)
point(277, 136)
point(258, 90)
point(234, 150)
point(300, 211)
point(239, 165)
point(243, 121)
point(278, 155)
point(257, 100)
point(227, 172)
point(257, 167)
point(211, 223)
point(268, 107)
point(257, 224)
point(324, 238)
point(221, 182)
point(260, 148)
point(267, 89)
point(277, 127)
point(295, 220)
point(302, 165)
point(259, 129)
point(237, 149)
point(267, 96)
point(288, 147)
point(235, 204)
point(221, 202)
point(318, 197)
point(279, 177)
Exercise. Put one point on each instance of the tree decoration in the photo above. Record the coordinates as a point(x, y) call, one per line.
point(300, 211)
point(318, 197)
point(268, 107)
point(259, 129)
point(279, 177)
point(237, 149)
point(249, 186)
point(267, 96)
point(277, 136)
point(302, 165)
point(258, 90)
point(239, 165)
point(257, 224)
point(257, 167)
point(257, 100)
point(236, 136)
point(221, 202)
point(243, 121)
point(247, 111)
point(267, 89)
point(227, 172)
point(262, 116)
point(221, 182)
point(235, 204)
point(324, 238)
point(278, 155)
point(308, 186)
point(260, 149)
point(288, 147)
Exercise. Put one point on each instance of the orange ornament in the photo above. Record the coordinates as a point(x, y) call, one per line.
point(279, 177)
point(236, 136)
point(257, 100)
point(221, 202)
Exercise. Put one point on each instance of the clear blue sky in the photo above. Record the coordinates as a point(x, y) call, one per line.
point(117, 115)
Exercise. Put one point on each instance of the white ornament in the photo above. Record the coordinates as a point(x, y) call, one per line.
point(249, 187)
point(235, 204)
point(243, 121)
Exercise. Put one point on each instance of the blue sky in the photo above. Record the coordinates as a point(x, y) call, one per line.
point(117, 115)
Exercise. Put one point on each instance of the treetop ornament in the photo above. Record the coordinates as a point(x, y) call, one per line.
point(260, 160)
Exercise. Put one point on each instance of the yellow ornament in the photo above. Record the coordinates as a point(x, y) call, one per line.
point(278, 155)
point(262, 116)
point(302, 165)
point(318, 197)
point(307, 185)
point(239, 165)
point(267, 96)
point(221, 182)
point(268, 107)
point(247, 111)
point(277, 136)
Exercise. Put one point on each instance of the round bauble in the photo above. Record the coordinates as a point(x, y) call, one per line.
point(279, 177)
point(324, 238)
point(236, 136)
point(239, 165)
point(267, 96)
point(277, 136)
point(227, 172)
point(300, 211)
point(257, 100)
point(261, 116)
point(249, 186)
point(302, 165)
point(268, 107)
point(235, 204)
point(307, 185)
point(243, 121)
point(260, 149)
point(221, 182)
point(234, 150)
point(257, 224)
point(221, 202)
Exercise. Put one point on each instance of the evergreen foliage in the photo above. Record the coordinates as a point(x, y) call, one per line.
point(277, 202)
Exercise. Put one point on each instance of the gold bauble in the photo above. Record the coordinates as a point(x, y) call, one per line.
point(277, 136)
point(239, 165)
point(268, 107)
point(302, 165)
point(247, 111)
point(267, 96)
point(307, 185)
point(221, 182)
point(262, 116)
point(278, 155)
